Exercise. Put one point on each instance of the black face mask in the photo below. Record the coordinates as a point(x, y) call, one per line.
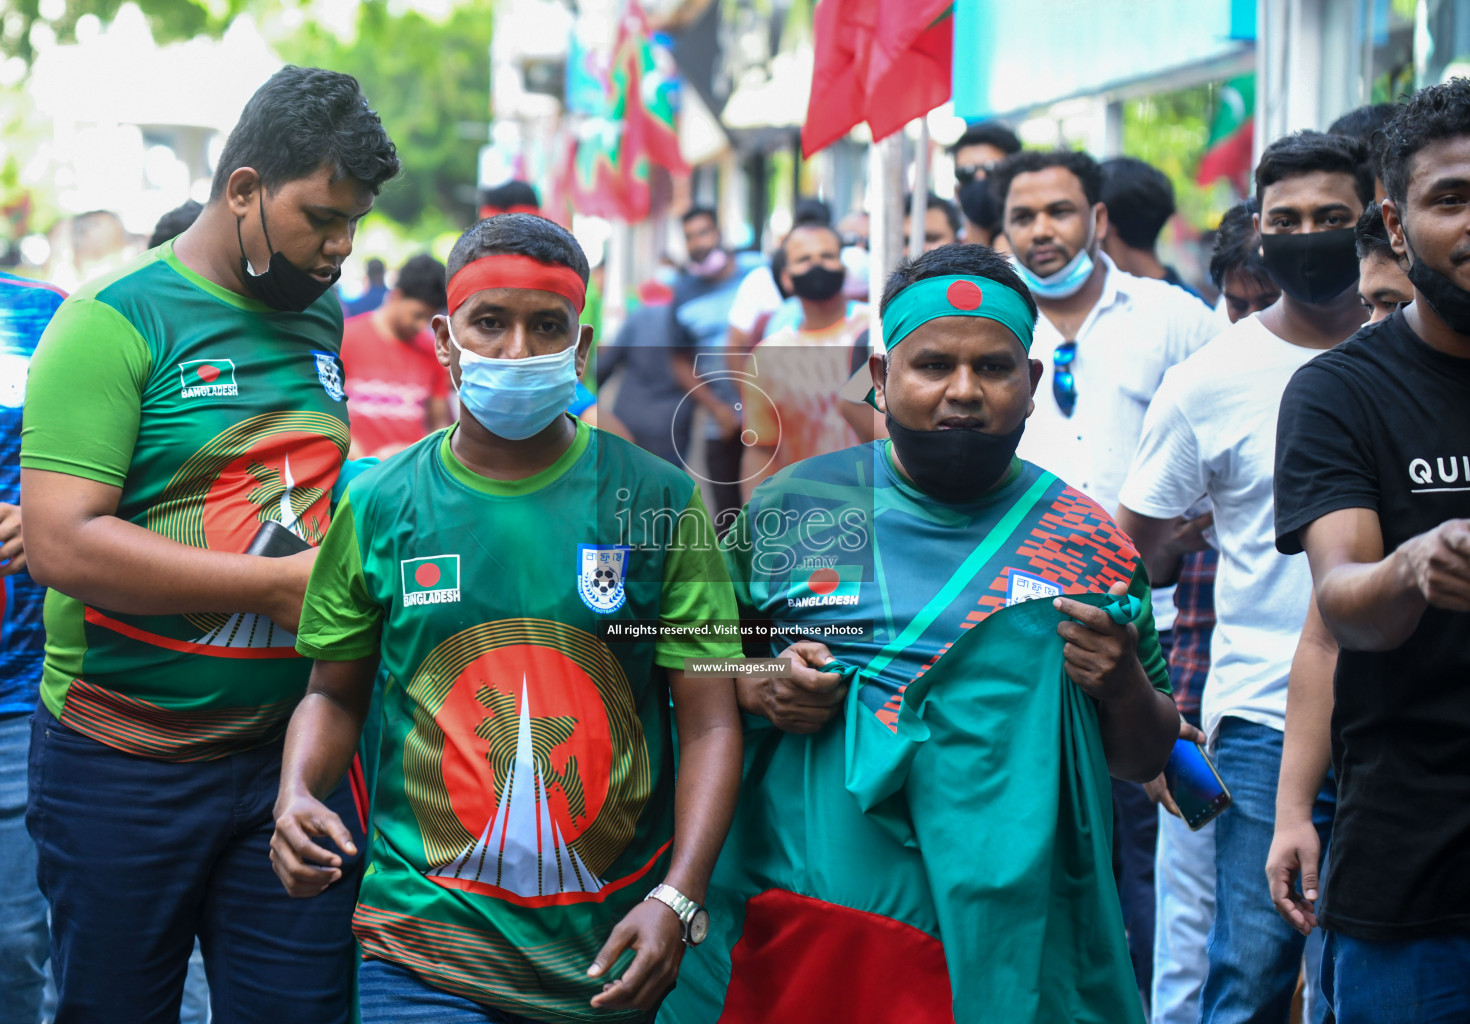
point(1450, 302)
point(1313, 268)
point(955, 465)
point(284, 285)
point(818, 284)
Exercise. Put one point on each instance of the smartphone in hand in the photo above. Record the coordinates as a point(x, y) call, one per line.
point(273, 540)
point(1195, 785)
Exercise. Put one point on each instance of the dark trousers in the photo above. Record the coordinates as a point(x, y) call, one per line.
point(1135, 839)
point(138, 856)
point(723, 460)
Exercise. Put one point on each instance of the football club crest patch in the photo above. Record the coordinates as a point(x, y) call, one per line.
point(1024, 587)
point(329, 372)
point(600, 572)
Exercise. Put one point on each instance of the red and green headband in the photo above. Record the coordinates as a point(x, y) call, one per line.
point(511, 270)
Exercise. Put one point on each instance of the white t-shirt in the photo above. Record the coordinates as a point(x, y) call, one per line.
point(756, 297)
point(1211, 430)
point(1138, 329)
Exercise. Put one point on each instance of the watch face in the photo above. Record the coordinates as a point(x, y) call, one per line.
point(698, 926)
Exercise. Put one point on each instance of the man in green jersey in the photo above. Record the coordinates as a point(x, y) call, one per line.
point(175, 410)
point(525, 799)
point(942, 850)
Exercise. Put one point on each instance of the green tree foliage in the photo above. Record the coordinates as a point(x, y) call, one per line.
point(170, 20)
point(430, 83)
point(1172, 131)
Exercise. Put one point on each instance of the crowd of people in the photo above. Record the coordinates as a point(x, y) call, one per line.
point(808, 675)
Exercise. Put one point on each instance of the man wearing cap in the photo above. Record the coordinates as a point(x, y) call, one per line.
point(533, 858)
point(924, 823)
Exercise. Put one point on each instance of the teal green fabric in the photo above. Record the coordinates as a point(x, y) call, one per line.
point(996, 773)
point(964, 790)
point(930, 298)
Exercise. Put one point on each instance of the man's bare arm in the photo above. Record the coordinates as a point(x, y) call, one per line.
point(1374, 603)
point(704, 803)
point(1138, 723)
point(1305, 756)
point(1164, 542)
point(320, 743)
point(75, 543)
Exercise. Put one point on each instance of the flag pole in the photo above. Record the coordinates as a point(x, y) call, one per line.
point(885, 224)
point(920, 193)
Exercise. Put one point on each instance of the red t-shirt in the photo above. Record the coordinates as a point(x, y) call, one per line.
point(389, 384)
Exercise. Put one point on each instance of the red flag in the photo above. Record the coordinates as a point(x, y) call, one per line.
point(1231, 158)
point(881, 61)
point(648, 112)
point(910, 70)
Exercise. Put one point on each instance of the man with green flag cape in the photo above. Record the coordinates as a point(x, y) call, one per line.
point(924, 825)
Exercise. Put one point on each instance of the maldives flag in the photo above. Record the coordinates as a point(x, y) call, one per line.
point(609, 171)
point(881, 61)
point(647, 91)
point(1232, 136)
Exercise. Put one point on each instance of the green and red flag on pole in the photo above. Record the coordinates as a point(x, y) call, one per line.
point(610, 170)
point(881, 61)
point(1232, 136)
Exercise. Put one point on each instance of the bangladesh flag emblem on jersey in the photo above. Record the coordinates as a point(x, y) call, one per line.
point(824, 586)
point(208, 378)
point(431, 580)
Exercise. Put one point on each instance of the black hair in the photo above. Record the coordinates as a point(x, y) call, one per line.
point(778, 264)
point(376, 268)
point(701, 211)
point(988, 133)
point(523, 234)
point(173, 223)
point(1370, 236)
point(1238, 245)
point(1365, 122)
point(1438, 112)
point(511, 193)
point(1139, 198)
point(957, 258)
point(977, 199)
point(422, 278)
point(1083, 167)
point(303, 119)
point(810, 211)
point(931, 202)
point(1308, 151)
point(775, 269)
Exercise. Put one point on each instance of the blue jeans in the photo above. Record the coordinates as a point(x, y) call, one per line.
point(23, 932)
point(1413, 981)
point(1255, 957)
point(139, 856)
point(1184, 889)
point(390, 994)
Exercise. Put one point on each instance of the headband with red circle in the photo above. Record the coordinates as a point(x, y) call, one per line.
point(510, 270)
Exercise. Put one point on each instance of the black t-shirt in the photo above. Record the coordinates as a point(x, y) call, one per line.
point(1383, 422)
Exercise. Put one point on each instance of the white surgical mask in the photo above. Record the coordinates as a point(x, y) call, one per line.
point(1065, 282)
point(516, 398)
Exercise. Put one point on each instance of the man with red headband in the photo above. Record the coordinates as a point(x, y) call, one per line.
point(525, 820)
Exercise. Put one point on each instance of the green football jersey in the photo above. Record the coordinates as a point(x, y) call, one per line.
point(524, 800)
point(214, 414)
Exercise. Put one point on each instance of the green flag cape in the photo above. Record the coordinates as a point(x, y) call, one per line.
point(943, 851)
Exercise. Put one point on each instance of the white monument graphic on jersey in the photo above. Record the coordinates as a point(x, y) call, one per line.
point(249, 629)
point(522, 849)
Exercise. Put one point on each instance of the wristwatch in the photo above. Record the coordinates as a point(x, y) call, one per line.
point(692, 916)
